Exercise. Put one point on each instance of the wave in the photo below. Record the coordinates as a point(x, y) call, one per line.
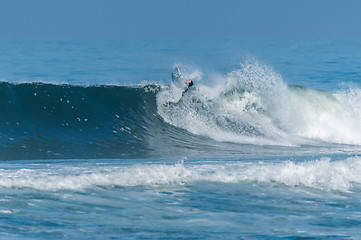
point(60, 121)
point(322, 175)
point(242, 112)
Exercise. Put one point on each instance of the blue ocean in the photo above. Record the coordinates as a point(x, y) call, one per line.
point(97, 142)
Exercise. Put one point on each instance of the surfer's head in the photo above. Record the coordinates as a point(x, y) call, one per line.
point(189, 83)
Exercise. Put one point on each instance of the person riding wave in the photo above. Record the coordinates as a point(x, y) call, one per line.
point(177, 77)
point(189, 83)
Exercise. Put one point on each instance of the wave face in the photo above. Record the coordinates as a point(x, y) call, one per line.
point(49, 121)
point(45, 120)
point(246, 111)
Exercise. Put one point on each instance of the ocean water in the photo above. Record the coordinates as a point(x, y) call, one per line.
point(97, 143)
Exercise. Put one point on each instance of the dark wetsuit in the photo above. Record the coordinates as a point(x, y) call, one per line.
point(189, 84)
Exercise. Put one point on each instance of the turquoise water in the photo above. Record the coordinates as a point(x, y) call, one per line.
point(97, 143)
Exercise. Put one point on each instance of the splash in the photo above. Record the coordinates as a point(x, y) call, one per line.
point(254, 105)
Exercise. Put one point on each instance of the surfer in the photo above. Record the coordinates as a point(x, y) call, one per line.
point(189, 83)
point(177, 77)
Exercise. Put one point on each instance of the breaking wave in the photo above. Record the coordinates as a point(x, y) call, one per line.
point(254, 105)
point(249, 107)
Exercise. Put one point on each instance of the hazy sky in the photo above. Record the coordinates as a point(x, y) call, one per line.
point(112, 19)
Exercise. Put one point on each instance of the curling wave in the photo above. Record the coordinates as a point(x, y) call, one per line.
point(246, 111)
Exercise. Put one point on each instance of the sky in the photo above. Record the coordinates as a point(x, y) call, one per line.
point(179, 19)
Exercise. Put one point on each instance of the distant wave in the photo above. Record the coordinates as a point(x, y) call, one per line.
point(321, 175)
point(249, 108)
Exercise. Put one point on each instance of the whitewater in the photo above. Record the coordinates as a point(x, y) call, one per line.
point(97, 142)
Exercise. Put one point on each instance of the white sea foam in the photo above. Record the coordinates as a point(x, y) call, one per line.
point(254, 105)
point(321, 174)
